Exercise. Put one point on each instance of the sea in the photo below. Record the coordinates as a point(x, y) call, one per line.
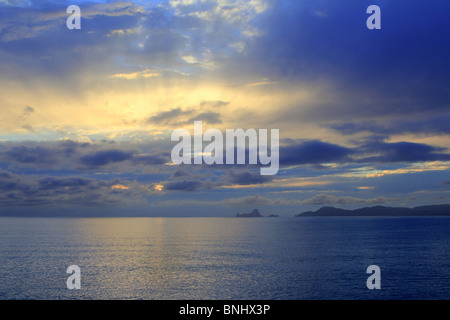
point(309, 258)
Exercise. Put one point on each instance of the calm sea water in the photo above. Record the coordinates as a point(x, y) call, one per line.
point(225, 258)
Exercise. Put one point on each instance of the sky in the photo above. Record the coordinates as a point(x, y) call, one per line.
point(86, 115)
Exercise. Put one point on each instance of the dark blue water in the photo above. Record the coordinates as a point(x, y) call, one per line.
point(225, 258)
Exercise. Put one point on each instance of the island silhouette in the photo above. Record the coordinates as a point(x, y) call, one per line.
point(254, 214)
point(431, 210)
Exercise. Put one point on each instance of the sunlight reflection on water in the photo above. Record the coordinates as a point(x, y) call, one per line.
point(224, 258)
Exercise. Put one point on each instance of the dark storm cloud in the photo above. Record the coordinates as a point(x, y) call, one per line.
point(374, 150)
point(104, 157)
point(196, 177)
point(10, 183)
point(402, 68)
point(424, 125)
point(51, 183)
point(314, 152)
point(185, 185)
point(88, 157)
point(247, 177)
point(33, 190)
point(70, 155)
point(155, 159)
point(24, 154)
point(50, 154)
point(402, 152)
point(331, 37)
point(179, 173)
point(70, 147)
point(200, 178)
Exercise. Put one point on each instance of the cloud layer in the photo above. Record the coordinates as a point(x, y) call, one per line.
point(86, 115)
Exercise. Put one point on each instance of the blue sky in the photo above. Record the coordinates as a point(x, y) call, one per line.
point(86, 115)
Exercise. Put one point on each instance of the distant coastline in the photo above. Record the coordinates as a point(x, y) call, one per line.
point(432, 210)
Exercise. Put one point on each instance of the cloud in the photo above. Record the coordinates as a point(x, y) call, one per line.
point(177, 116)
point(28, 110)
point(252, 200)
point(40, 27)
point(424, 125)
point(101, 158)
point(147, 73)
point(209, 117)
point(184, 185)
point(247, 178)
point(33, 190)
point(370, 81)
point(313, 152)
point(15, 2)
point(373, 150)
point(403, 170)
point(180, 173)
point(258, 200)
point(152, 159)
point(402, 152)
point(155, 156)
point(214, 104)
point(140, 33)
point(139, 67)
point(163, 33)
point(23, 154)
point(199, 179)
point(75, 156)
point(52, 183)
point(167, 117)
point(323, 199)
